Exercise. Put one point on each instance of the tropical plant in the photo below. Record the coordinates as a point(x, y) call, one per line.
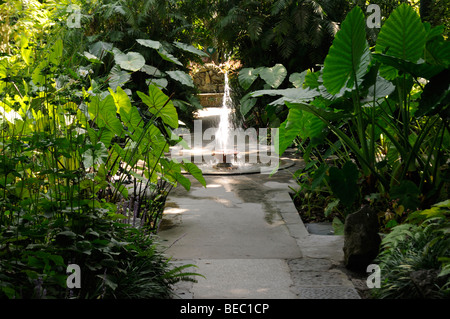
point(66, 154)
point(387, 110)
point(419, 246)
point(296, 34)
point(141, 43)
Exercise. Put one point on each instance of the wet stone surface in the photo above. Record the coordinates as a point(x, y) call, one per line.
point(316, 278)
point(245, 235)
point(328, 293)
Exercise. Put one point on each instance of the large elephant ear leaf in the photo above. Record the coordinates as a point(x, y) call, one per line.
point(132, 61)
point(402, 36)
point(349, 55)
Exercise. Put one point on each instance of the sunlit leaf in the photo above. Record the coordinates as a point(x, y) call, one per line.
point(247, 76)
point(168, 57)
point(149, 43)
point(160, 105)
point(348, 57)
point(273, 76)
point(131, 61)
point(190, 48)
point(181, 77)
point(402, 36)
point(118, 77)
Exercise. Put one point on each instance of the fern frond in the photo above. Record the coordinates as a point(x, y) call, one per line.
point(280, 5)
point(398, 234)
point(255, 28)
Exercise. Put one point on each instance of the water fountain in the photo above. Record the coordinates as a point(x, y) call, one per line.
point(225, 152)
point(233, 150)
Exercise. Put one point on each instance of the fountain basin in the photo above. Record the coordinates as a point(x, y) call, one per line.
point(231, 162)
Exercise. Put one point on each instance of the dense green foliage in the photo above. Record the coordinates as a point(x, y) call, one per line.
point(419, 246)
point(380, 113)
point(71, 140)
point(90, 92)
point(134, 43)
point(372, 127)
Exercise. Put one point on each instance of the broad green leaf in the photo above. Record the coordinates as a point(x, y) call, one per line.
point(160, 83)
point(37, 76)
point(128, 113)
point(380, 89)
point(319, 176)
point(56, 52)
point(104, 112)
point(393, 64)
point(183, 180)
point(195, 172)
point(304, 124)
point(438, 52)
point(3, 68)
point(151, 70)
point(190, 48)
point(338, 226)
point(247, 76)
point(121, 99)
point(284, 136)
point(312, 80)
point(25, 51)
point(297, 79)
point(181, 77)
point(100, 48)
point(349, 55)
point(273, 76)
point(324, 115)
point(100, 135)
point(343, 183)
point(329, 209)
point(131, 61)
point(247, 103)
point(150, 43)
point(132, 119)
point(118, 77)
point(292, 95)
point(95, 156)
point(402, 36)
point(160, 105)
point(168, 57)
point(91, 58)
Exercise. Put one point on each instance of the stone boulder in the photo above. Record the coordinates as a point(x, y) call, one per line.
point(361, 239)
point(427, 281)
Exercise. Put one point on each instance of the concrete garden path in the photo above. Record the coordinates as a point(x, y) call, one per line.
point(245, 236)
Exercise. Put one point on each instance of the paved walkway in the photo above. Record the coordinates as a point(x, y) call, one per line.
point(246, 237)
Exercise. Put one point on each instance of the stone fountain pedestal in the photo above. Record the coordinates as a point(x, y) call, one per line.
point(225, 158)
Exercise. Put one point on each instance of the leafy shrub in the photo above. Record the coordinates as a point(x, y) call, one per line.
point(116, 260)
point(380, 110)
point(67, 147)
point(421, 246)
point(134, 43)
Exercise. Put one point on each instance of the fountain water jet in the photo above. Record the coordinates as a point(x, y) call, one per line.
point(224, 148)
point(233, 150)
